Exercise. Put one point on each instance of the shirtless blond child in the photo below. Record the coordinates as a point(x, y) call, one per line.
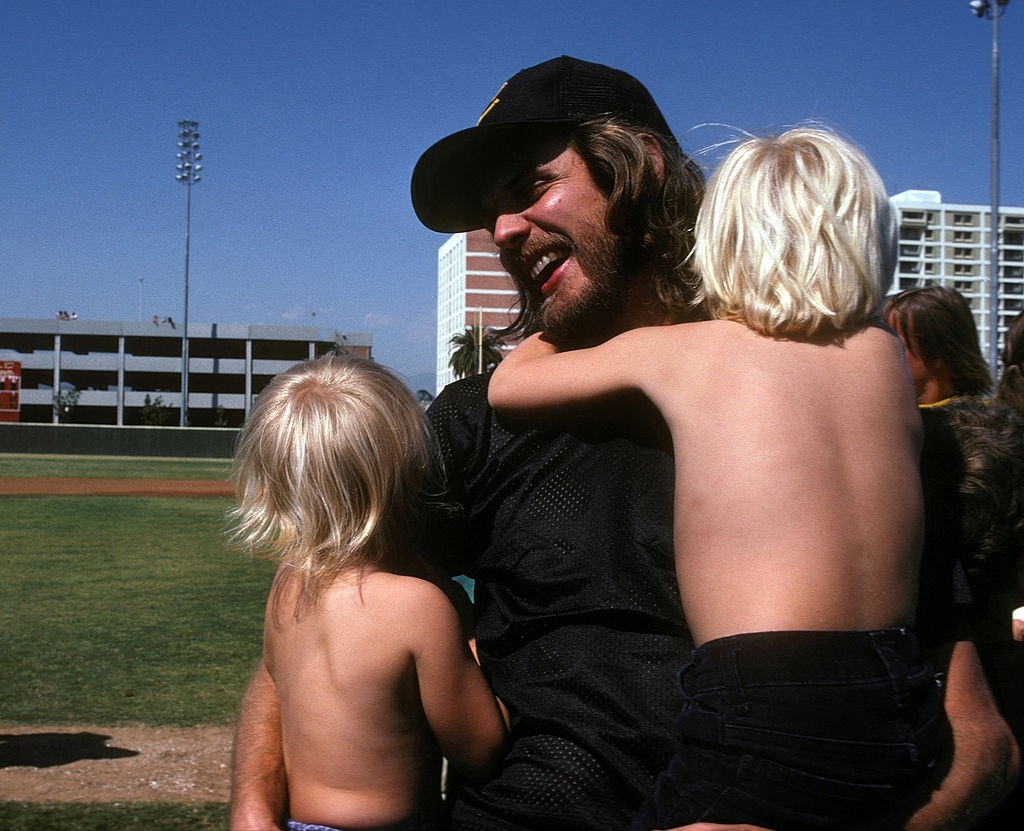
point(798, 503)
point(375, 678)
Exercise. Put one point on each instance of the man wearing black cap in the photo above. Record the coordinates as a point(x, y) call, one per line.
point(566, 531)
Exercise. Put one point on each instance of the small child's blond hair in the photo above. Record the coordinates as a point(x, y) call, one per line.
point(330, 468)
point(796, 236)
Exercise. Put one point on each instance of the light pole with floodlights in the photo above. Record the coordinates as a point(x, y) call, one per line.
point(993, 11)
point(188, 173)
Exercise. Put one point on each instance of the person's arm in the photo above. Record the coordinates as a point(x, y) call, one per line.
point(535, 377)
point(259, 790)
point(460, 707)
point(986, 759)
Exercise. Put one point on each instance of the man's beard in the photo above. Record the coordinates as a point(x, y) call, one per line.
point(586, 316)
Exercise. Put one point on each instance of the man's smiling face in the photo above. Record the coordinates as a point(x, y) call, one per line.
point(548, 219)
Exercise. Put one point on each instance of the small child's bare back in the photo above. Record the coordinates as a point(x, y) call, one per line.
point(798, 501)
point(375, 682)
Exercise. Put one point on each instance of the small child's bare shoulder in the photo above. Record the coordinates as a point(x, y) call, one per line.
point(411, 597)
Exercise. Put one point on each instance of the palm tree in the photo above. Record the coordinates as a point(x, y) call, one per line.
point(474, 352)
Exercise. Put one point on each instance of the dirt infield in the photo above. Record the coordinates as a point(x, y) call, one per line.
point(115, 764)
point(114, 487)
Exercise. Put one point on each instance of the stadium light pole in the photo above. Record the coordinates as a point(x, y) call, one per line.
point(993, 11)
point(188, 174)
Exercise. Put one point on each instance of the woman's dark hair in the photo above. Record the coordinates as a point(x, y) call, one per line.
point(937, 324)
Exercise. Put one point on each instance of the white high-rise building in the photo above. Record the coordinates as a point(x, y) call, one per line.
point(948, 244)
point(472, 290)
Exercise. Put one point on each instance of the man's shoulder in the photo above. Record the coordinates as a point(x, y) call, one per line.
point(460, 398)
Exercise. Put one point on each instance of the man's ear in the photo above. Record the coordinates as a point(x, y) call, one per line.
point(653, 149)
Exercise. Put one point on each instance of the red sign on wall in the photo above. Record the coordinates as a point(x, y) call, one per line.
point(10, 390)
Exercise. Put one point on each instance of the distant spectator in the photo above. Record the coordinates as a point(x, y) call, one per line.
point(1011, 385)
point(941, 339)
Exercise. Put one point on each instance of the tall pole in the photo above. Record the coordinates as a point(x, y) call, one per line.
point(188, 173)
point(985, 8)
point(480, 340)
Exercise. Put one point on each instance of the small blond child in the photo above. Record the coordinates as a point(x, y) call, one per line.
point(798, 506)
point(375, 678)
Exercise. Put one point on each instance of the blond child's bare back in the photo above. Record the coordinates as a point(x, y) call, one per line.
point(798, 498)
point(376, 681)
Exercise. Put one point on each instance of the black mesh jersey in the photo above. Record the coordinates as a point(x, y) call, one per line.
point(579, 626)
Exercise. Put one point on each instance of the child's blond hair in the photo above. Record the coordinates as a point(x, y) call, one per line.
point(330, 468)
point(796, 235)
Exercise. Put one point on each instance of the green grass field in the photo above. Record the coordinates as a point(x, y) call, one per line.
point(112, 467)
point(118, 610)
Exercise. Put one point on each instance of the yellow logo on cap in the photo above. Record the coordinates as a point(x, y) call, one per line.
point(491, 106)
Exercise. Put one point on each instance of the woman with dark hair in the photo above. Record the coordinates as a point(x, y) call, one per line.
point(937, 329)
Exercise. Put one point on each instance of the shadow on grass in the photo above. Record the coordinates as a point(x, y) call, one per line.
point(47, 750)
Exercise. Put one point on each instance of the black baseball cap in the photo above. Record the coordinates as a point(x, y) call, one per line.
point(559, 93)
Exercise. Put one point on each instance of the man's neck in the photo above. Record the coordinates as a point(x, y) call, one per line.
point(643, 307)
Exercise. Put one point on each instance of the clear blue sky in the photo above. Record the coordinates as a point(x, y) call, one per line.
point(312, 115)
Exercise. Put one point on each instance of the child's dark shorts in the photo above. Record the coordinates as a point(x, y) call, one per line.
point(801, 730)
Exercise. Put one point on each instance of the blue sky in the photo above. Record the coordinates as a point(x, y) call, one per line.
point(312, 115)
